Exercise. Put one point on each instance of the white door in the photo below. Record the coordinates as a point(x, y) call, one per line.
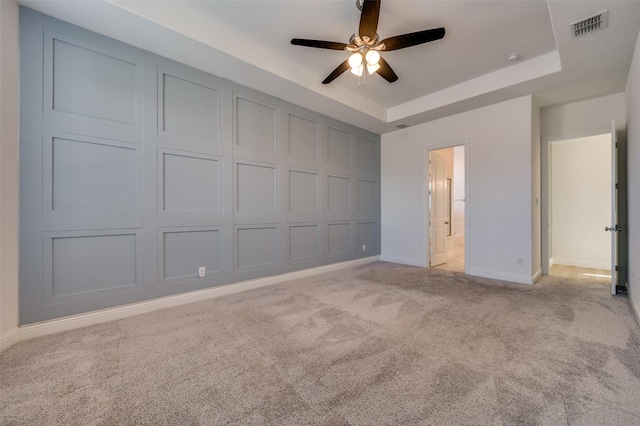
point(438, 219)
point(614, 228)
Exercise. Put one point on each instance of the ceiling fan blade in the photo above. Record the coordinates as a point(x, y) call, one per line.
point(321, 44)
point(412, 39)
point(337, 72)
point(369, 19)
point(385, 71)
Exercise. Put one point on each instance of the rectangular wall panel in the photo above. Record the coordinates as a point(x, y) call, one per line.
point(303, 242)
point(256, 247)
point(338, 194)
point(338, 147)
point(85, 264)
point(366, 154)
point(303, 191)
point(366, 197)
point(256, 188)
point(189, 108)
point(91, 176)
point(256, 125)
point(367, 236)
point(189, 183)
point(339, 238)
point(93, 84)
point(185, 251)
point(304, 140)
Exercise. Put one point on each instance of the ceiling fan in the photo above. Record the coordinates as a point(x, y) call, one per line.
point(366, 46)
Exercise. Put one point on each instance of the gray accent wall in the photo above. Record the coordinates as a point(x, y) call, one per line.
point(136, 171)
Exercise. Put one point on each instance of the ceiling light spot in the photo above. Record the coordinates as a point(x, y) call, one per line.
point(513, 57)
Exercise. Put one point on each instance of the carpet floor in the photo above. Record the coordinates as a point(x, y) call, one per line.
point(379, 344)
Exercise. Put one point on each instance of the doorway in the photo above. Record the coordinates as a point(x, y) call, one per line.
point(580, 207)
point(447, 208)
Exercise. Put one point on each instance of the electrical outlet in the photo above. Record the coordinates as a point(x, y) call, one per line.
point(364, 247)
point(202, 272)
point(519, 261)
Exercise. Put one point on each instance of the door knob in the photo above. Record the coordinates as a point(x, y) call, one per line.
point(613, 228)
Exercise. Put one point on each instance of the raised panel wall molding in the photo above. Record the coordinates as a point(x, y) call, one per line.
point(137, 171)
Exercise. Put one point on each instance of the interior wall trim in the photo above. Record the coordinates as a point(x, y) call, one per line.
point(72, 322)
point(9, 338)
point(635, 310)
point(537, 275)
point(403, 261)
point(497, 275)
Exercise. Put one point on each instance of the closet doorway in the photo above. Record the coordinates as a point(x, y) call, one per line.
point(580, 208)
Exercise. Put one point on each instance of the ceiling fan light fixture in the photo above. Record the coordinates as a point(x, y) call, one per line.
point(355, 60)
point(372, 57)
point(364, 45)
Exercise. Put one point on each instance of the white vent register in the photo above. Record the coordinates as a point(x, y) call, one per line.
point(590, 24)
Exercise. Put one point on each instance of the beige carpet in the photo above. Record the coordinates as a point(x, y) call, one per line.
point(379, 344)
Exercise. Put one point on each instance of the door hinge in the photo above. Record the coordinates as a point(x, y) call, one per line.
point(616, 268)
point(616, 185)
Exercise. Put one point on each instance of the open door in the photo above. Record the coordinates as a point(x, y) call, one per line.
point(438, 219)
point(614, 228)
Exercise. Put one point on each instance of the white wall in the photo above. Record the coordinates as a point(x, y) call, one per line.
point(499, 189)
point(633, 177)
point(581, 202)
point(9, 142)
point(584, 118)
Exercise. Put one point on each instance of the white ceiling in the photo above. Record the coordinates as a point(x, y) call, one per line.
point(249, 42)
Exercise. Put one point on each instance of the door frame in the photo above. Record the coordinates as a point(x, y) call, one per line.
point(426, 202)
point(545, 188)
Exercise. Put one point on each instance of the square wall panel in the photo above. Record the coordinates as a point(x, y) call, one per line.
point(366, 196)
point(366, 154)
point(256, 247)
point(303, 191)
point(338, 150)
point(338, 194)
point(303, 138)
point(339, 238)
point(86, 264)
point(190, 183)
point(186, 251)
point(256, 126)
point(92, 177)
point(93, 84)
point(256, 188)
point(189, 108)
point(303, 242)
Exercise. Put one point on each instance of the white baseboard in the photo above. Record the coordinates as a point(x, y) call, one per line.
point(57, 325)
point(537, 275)
point(497, 275)
point(579, 263)
point(402, 261)
point(9, 338)
point(634, 309)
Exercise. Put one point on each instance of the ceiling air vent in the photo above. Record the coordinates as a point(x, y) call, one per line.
point(402, 126)
point(590, 24)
